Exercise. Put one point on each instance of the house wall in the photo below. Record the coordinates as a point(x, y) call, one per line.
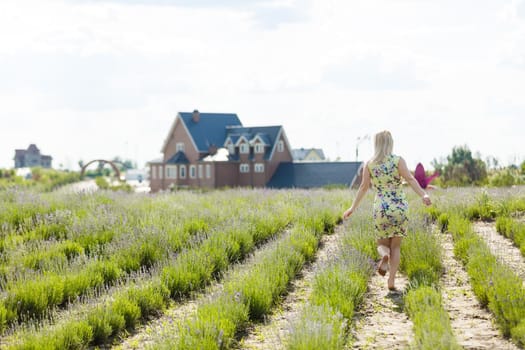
point(278, 157)
point(156, 181)
point(226, 174)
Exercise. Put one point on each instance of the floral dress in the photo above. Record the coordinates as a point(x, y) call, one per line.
point(390, 204)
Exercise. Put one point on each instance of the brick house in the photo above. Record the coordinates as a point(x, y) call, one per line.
point(31, 158)
point(215, 150)
point(253, 153)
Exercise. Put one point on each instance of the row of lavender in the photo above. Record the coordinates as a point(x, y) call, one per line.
point(78, 270)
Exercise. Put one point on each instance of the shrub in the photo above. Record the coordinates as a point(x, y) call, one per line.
point(518, 333)
point(443, 222)
point(92, 240)
point(190, 272)
point(104, 324)
point(3, 318)
point(129, 310)
point(340, 289)
point(214, 326)
point(506, 296)
point(74, 335)
point(421, 258)
point(33, 298)
point(480, 267)
point(319, 327)
point(484, 209)
point(431, 323)
point(151, 299)
point(261, 286)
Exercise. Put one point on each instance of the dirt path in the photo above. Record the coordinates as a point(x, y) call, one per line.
point(473, 325)
point(381, 323)
point(271, 333)
point(502, 248)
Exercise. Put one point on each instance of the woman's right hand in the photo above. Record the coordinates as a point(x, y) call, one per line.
point(426, 200)
point(347, 213)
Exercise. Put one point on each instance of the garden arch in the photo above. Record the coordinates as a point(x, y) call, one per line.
point(112, 163)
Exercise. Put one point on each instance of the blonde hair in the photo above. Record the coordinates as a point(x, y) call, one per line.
point(383, 146)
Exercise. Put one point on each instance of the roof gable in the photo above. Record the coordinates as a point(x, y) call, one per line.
point(178, 158)
point(266, 134)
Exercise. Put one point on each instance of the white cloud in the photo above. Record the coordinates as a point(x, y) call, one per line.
point(85, 79)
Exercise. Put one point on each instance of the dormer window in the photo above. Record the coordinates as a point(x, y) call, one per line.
point(259, 148)
point(179, 147)
point(244, 148)
point(231, 148)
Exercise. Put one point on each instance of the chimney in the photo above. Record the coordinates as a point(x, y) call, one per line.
point(196, 116)
point(212, 149)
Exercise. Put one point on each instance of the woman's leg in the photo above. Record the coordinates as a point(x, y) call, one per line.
point(383, 247)
point(395, 257)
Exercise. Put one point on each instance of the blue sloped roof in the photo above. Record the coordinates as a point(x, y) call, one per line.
point(178, 158)
point(211, 128)
point(267, 133)
point(264, 138)
point(318, 174)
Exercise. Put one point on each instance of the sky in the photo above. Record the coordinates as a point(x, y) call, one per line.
point(91, 79)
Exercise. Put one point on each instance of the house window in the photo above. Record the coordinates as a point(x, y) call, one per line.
point(193, 171)
point(182, 171)
point(201, 171)
point(280, 146)
point(259, 148)
point(180, 147)
point(208, 171)
point(244, 148)
point(153, 172)
point(244, 168)
point(259, 167)
point(231, 148)
point(171, 171)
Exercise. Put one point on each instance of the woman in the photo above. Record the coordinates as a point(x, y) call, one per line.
point(384, 171)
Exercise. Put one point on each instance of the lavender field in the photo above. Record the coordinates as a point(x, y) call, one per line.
point(256, 269)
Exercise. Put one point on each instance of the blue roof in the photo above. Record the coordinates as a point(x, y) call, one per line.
point(210, 129)
point(318, 174)
point(267, 133)
point(178, 158)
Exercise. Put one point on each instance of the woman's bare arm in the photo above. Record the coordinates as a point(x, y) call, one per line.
point(365, 185)
point(405, 173)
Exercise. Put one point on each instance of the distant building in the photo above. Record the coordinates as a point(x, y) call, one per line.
point(308, 155)
point(215, 150)
point(31, 157)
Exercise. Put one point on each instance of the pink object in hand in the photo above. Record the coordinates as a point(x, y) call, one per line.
point(422, 178)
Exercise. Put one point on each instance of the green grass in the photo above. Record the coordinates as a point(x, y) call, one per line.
point(421, 261)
